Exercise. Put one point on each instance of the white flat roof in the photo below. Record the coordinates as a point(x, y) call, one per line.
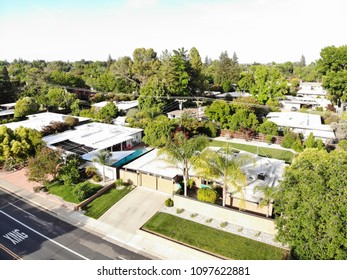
point(122, 105)
point(153, 164)
point(302, 121)
point(95, 135)
point(38, 121)
point(6, 112)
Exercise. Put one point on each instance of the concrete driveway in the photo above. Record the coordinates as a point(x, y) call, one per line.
point(136, 208)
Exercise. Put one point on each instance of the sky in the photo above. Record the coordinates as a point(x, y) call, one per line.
point(260, 31)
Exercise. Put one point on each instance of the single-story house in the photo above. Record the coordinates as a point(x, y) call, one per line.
point(302, 123)
point(153, 172)
point(314, 90)
point(291, 103)
point(38, 121)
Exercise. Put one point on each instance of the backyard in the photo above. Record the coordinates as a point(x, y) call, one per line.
point(287, 156)
point(212, 240)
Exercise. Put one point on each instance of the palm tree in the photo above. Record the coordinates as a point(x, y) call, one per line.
point(268, 195)
point(103, 158)
point(181, 153)
point(223, 166)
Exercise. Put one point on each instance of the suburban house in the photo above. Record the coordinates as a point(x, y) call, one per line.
point(314, 90)
point(302, 123)
point(38, 121)
point(151, 171)
point(234, 94)
point(86, 140)
point(291, 103)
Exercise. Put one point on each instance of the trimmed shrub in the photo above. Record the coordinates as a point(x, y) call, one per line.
point(97, 178)
point(119, 182)
point(169, 202)
point(90, 171)
point(179, 211)
point(71, 121)
point(207, 195)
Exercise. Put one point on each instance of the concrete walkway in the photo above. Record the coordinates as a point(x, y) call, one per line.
point(128, 236)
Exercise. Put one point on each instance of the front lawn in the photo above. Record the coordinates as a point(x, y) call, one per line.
point(101, 204)
point(213, 240)
point(66, 191)
point(287, 156)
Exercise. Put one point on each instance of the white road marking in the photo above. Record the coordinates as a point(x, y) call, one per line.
point(55, 242)
point(22, 209)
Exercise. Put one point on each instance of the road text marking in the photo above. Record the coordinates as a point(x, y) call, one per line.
point(55, 242)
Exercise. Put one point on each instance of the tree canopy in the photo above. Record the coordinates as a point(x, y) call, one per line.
point(310, 205)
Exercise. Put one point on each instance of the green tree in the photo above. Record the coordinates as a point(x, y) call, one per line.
point(145, 65)
point(60, 98)
point(158, 132)
point(243, 118)
point(310, 141)
point(223, 167)
point(333, 66)
point(69, 171)
point(197, 79)
point(310, 205)
point(181, 153)
point(6, 88)
point(44, 166)
point(103, 157)
point(25, 106)
point(109, 111)
point(264, 82)
point(227, 72)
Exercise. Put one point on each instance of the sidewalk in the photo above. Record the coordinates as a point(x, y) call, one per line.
point(140, 242)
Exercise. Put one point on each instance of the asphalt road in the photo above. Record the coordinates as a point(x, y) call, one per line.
point(29, 233)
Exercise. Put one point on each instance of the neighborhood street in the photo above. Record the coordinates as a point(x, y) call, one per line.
point(27, 232)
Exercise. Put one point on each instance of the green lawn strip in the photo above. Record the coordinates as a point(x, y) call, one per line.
point(65, 191)
point(210, 239)
point(101, 204)
point(287, 156)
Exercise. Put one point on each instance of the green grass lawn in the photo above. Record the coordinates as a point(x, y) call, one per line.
point(210, 239)
point(65, 191)
point(104, 202)
point(287, 156)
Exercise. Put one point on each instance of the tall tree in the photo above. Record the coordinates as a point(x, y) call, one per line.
point(310, 205)
point(6, 90)
point(145, 64)
point(267, 198)
point(196, 82)
point(227, 72)
point(223, 167)
point(181, 152)
point(333, 66)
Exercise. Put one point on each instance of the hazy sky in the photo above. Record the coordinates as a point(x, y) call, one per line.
point(257, 30)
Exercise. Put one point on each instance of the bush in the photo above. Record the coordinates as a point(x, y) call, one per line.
point(179, 211)
point(119, 182)
point(224, 224)
point(207, 195)
point(209, 220)
point(169, 202)
point(90, 171)
point(71, 121)
point(97, 178)
point(297, 146)
point(289, 138)
point(84, 190)
point(269, 139)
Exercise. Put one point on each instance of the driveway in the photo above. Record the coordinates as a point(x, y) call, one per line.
point(135, 209)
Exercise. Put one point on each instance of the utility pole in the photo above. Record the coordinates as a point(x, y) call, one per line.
point(198, 105)
point(181, 101)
